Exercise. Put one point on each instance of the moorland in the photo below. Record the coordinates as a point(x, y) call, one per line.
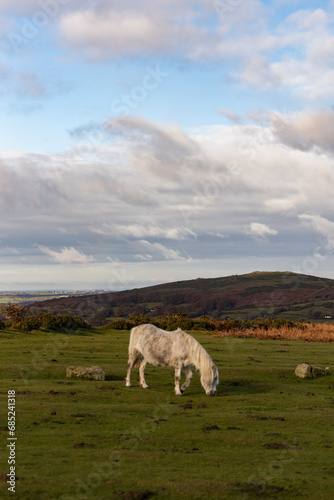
point(260, 294)
point(266, 434)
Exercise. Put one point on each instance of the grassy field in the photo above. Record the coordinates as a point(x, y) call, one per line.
point(266, 434)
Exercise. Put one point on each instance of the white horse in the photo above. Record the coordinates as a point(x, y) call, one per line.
point(150, 344)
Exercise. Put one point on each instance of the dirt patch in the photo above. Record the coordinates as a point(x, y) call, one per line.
point(259, 490)
point(82, 445)
point(207, 428)
point(107, 387)
point(135, 495)
point(262, 417)
point(187, 406)
point(5, 477)
point(81, 415)
point(281, 446)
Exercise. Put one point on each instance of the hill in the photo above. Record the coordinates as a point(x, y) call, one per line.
point(258, 294)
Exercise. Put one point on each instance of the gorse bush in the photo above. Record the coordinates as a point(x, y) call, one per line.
point(260, 328)
point(181, 320)
point(171, 322)
point(21, 319)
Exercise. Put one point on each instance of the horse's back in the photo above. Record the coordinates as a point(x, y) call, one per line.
point(155, 344)
point(146, 332)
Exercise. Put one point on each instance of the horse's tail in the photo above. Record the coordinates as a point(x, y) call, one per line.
point(138, 360)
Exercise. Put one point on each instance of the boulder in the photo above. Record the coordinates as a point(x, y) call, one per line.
point(89, 372)
point(306, 370)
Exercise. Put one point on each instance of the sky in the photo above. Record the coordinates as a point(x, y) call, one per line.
point(148, 141)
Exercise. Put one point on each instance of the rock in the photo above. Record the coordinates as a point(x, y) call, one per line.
point(89, 372)
point(316, 371)
point(306, 370)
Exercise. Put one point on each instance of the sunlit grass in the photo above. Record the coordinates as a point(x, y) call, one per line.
point(266, 434)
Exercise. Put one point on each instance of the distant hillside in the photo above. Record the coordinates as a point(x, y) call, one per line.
point(259, 294)
point(24, 298)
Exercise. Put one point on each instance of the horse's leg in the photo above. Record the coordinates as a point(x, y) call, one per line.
point(133, 356)
point(142, 375)
point(177, 380)
point(189, 376)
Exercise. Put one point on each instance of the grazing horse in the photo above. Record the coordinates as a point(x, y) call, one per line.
point(150, 344)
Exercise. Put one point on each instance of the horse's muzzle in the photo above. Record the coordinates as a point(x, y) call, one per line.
point(211, 393)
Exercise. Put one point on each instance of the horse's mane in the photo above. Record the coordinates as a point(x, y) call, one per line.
point(198, 356)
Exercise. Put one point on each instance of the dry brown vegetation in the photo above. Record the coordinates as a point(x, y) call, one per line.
point(258, 328)
point(309, 332)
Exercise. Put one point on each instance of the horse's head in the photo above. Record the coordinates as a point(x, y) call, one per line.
point(210, 381)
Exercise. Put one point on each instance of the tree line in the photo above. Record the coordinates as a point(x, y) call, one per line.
point(20, 318)
point(182, 320)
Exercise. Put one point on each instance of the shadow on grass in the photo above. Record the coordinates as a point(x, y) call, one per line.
point(242, 388)
point(114, 378)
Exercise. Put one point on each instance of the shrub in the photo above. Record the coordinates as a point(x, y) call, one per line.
point(48, 321)
point(118, 324)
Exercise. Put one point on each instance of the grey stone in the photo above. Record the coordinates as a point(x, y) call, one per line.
point(306, 370)
point(88, 372)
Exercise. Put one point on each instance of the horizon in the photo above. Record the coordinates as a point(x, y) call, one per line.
point(151, 142)
point(98, 291)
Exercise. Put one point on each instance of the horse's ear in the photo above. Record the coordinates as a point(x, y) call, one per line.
point(213, 367)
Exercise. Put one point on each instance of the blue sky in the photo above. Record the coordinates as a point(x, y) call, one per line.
point(150, 141)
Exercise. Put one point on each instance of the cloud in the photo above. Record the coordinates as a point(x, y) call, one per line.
point(29, 85)
point(25, 6)
point(322, 226)
point(154, 192)
point(8, 251)
point(191, 30)
point(261, 49)
point(232, 116)
point(67, 255)
point(295, 54)
point(306, 130)
point(260, 230)
point(141, 231)
point(30, 89)
point(159, 251)
point(219, 235)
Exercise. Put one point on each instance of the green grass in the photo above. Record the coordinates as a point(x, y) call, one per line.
point(266, 434)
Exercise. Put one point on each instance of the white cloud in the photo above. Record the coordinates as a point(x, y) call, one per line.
point(160, 251)
point(260, 230)
point(144, 257)
point(231, 115)
point(192, 29)
point(218, 235)
point(264, 52)
point(67, 255)
point(8, 251)
point(306, 130)
point(156, 193)
point(141, 231)
point(322, 226)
